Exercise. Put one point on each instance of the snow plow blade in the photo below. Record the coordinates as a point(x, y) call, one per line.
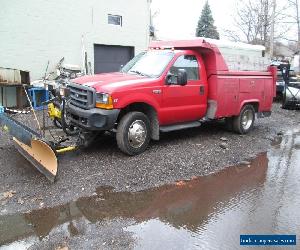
point(40, 155)
point(31, 145)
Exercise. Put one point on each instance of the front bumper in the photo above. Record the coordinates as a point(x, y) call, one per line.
point(93, 119)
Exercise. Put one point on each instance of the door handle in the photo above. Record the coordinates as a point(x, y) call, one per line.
point(156, 91)
point(202, 89)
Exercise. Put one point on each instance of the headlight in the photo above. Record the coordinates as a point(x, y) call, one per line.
point(104, 101)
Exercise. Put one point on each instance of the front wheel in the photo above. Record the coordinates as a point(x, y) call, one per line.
point(244, 122)
point(133, 133)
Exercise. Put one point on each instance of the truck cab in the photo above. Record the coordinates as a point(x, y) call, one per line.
point(171, 86)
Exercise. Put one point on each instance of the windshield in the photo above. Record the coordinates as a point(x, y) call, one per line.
point(151, 63)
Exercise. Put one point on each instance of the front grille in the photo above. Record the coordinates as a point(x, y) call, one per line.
point(82, 96)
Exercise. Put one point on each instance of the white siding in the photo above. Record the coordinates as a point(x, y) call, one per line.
point(35, 31)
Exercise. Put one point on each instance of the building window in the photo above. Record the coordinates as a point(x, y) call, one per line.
point(114, 19)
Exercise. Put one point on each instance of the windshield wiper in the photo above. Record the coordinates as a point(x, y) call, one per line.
point(139, 73)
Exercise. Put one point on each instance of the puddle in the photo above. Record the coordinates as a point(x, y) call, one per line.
point(208, 212)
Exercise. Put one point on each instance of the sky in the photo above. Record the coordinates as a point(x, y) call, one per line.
point(177, 19)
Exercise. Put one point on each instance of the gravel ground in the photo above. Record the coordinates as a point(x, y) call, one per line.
point(178, 155)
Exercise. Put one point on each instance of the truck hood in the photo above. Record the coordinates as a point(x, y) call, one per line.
point(109, 82)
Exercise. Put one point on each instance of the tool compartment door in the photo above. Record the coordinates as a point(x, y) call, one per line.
point(251, 89)
point(228, 96)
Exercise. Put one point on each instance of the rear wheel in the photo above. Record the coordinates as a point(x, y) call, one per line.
point(243, 123)
point(133, 133)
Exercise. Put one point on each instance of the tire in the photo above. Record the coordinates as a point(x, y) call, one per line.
point(243, 123)
point(133, 133)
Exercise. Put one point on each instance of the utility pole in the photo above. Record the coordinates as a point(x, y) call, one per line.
point(272, 30)
point(298, 27)
point(265, 5)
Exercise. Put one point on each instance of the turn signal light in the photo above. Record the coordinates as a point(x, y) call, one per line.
point(107, 105)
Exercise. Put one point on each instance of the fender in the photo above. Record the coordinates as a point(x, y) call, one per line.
point(146, 99)
point(128, 99)
point(243, 103)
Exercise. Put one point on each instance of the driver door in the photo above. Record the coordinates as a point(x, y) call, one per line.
point(188, 102)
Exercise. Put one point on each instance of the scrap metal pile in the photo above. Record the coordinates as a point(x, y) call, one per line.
point(291, 91)
point(41, 147)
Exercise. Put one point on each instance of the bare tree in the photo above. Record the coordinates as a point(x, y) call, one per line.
point(294, 18)
point(272, 29)
point(254, 20)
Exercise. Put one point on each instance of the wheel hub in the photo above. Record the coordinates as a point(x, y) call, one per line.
point(247, 119)
point(137, 134)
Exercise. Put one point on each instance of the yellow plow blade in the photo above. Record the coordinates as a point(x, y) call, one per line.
point(40, 155)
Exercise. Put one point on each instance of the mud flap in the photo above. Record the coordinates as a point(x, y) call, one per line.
point(40, 155)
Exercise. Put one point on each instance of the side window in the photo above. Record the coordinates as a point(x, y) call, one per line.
point(187, 62)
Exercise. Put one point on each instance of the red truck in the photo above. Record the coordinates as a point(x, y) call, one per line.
point(173, 85)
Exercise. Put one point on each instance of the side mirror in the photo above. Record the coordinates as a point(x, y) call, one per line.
point(182, 77)
point(169, 79)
